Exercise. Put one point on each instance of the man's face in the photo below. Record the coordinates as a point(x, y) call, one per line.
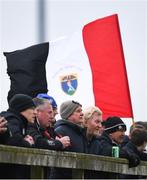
point(77, 116)
point(45, 115)
point(118, 136)
point(94, 124)
point(29, 114)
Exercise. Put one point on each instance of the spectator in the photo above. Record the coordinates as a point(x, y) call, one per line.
point(43, 132)
point(52, 102)
point(138, 125)
point(21, 111)
point(113, 135)
point(70, 125)
point(137, 144)
point(40, 130)
point(93, 123)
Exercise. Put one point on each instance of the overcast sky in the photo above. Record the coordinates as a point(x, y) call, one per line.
point(19, 29)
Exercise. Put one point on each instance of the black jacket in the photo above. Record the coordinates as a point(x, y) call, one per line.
point(130, 147)
point(107, 144)
point(133, 149)
point(94, 146)
point(78, 141)
point(17, 125)
point(41, 140)
point(4, 137)
point(106, 150)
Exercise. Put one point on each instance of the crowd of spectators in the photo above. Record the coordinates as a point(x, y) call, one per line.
point(32, 123)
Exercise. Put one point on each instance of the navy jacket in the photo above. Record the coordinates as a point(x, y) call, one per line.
point(94, 146)
point(78, 140)
point(76, 133)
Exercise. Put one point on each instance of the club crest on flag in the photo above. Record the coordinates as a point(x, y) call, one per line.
point(69, 83)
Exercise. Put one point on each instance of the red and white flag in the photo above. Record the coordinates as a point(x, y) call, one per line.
point(90, 67)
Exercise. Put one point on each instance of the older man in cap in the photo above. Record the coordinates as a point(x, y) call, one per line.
point(70, 125)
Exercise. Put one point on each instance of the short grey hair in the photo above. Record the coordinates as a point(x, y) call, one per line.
point(40, 102)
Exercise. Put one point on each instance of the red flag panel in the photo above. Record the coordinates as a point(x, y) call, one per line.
point(102, 41)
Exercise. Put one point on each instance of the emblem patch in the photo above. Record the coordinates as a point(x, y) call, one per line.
point(69, 83)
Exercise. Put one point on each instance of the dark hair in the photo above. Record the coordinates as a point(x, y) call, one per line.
point(138, 125)
point(138, 136)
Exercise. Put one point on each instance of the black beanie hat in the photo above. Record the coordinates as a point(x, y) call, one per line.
point(113, 124)
point(20, 102)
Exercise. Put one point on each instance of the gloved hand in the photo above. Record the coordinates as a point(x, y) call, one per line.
point(133, 158)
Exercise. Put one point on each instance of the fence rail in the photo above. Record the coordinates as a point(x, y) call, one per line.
point(39, 158)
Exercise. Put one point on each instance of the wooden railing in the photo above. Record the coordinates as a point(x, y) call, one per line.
point(39, 158)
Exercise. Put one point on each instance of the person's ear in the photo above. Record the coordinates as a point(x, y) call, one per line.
point(85, 123)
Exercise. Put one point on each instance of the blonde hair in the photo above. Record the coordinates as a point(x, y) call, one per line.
point(88, 112)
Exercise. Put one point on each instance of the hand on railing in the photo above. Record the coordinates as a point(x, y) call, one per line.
point(29, 139)
point(64, 140)
point(3, 125)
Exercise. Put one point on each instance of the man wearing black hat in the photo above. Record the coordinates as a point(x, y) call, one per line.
point(113, 136)
point(114, 130)
point(21, 111)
